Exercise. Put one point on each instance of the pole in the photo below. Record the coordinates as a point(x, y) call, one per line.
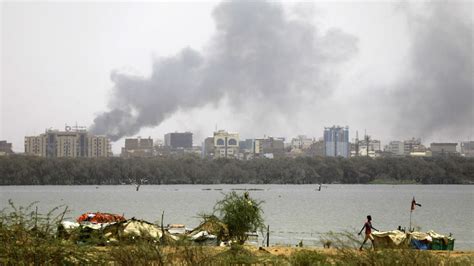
point(162, 240)
point(268, 235)
point(409, 228)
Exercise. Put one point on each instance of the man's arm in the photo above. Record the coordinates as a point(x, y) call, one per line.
point(361, 229)
point(373, 228)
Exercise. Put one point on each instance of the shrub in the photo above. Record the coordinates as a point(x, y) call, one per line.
point(241, 214)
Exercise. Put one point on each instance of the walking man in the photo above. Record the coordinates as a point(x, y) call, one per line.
point(368, 232)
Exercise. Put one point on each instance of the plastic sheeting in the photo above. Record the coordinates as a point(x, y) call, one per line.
point(390, 238)
point(396, 238)
point(141, 229)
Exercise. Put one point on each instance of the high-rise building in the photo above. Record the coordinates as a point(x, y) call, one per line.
point(137, 147)
point(443, 149)
point(395, 148)
point(208, 148)
point(467, 148)
point(98, 146)
point(301, 142)
point(246, 145)
point(246, 149)
point(226, 145)
point(73, 142)
point(336, 141)
point(269, 147)
point(5, 147)
point(413, 145)
point(318, 148)
point(35, 145)
point(405, 148)
point(179, 140)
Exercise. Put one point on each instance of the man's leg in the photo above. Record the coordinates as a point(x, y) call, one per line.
point(365, 240)
point(372, 240)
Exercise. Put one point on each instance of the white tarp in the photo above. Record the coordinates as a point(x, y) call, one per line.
point(397, 237)
point(203, 235)
point(141, 229)
point(420, 236)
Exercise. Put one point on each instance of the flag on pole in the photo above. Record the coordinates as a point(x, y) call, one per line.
point(414, 203)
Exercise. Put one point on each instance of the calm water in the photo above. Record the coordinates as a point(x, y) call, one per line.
point(294, 212)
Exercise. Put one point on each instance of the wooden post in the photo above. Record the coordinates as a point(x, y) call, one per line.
point(162, 228)
point(268, 235)
point(409, 229)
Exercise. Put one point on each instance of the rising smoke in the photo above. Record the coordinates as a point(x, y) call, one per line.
point(256, 53)
point(436, 95)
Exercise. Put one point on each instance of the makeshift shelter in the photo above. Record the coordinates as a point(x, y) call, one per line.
point(390, 239)
point(139, 228)
point(134, 228)
point(417, 240)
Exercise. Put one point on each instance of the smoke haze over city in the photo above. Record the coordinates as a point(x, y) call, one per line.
point(258, 68)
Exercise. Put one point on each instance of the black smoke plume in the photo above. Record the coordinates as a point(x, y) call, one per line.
point(436, 96)
point(256, 53)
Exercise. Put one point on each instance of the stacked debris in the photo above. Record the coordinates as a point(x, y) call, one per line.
point(211, 232)
point(105, 228)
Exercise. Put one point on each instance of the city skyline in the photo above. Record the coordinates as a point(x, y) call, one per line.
point(336, 140)
point(72, 70)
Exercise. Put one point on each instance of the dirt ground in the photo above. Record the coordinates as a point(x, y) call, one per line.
point(284, 251)
point(287, 251)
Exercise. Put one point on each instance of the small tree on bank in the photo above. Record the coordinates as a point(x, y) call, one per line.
point(241, 214)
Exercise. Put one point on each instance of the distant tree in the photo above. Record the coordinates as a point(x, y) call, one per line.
point(241, 214)
point(32, 170)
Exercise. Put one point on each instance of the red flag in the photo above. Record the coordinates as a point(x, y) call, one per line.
point(413, 203)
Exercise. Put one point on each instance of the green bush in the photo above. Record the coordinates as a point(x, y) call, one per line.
point(241, 214)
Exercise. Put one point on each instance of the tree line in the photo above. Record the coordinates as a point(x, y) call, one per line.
point(29, 170)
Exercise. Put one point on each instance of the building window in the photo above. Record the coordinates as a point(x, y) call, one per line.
point(232, 142)
point(220, 142)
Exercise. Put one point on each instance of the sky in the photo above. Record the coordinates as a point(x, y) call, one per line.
point(395, 69)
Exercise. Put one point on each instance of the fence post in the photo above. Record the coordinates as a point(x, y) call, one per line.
point(268, 235)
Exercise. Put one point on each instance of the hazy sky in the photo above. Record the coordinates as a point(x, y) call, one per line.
point(397, 69)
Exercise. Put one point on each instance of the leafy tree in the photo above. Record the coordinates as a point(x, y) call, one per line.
point(241, 214)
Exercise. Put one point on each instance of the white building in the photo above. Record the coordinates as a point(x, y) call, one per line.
point(226, 145)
